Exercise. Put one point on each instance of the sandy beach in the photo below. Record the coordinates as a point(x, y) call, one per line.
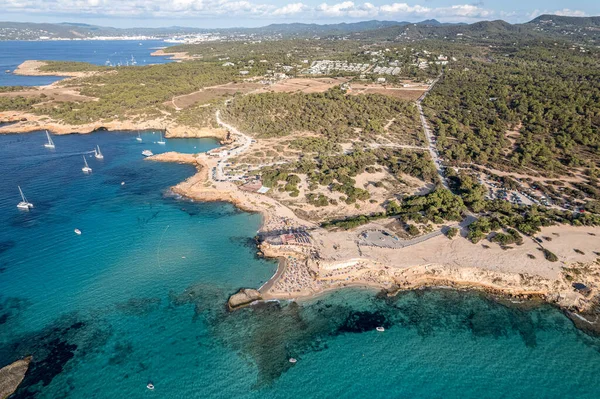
point(314, 260)
point(336, 259)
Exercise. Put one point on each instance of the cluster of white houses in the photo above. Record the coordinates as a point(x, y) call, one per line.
point(386, 70)
point(325, 67)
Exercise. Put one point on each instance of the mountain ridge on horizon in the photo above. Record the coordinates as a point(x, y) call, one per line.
point(74, 30)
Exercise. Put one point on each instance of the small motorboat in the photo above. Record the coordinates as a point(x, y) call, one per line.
point(86, 168)
point(78, 232)
point(292, 360)
point(122, 183)
point(150, 386)
point(380, 329)
point(147, 153)
point(24, 204)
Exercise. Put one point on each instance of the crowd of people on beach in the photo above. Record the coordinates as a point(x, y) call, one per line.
point(296, 278)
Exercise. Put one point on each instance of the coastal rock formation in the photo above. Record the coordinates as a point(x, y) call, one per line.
point(183, 131)
point(172, 156)
point(243, 297)
point(33, 68)
point(12, 375)
point(177, 56)
point(27, 122)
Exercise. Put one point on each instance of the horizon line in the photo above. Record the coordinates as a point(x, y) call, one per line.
point(304, 23)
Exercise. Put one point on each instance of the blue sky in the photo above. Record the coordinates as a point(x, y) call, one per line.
point(229, 13)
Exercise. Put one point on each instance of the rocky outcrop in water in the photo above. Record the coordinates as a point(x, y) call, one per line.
point(12, 375)
point(243, 297)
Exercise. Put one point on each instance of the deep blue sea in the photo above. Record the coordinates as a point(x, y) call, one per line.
point(13, 53)
point(140, 297)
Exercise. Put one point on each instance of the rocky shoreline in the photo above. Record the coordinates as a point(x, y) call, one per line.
point(334, 260)
point(199, 187)
point(300, 277)
point(177, 56)
point(32, 68)
point(243, 297)
point(21, 122)
point(12, 375)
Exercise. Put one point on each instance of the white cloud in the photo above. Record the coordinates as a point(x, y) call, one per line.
point(336, 10)
point(465, 10)
point(570, 13)
point(291, 9)
point(403, 8)
point(250, 8)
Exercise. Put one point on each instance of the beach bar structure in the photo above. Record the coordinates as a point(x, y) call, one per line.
point(582, 288)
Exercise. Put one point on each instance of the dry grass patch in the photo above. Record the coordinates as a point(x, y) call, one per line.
point(305, 85)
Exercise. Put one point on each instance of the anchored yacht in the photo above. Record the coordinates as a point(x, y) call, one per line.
point(50, 143)
point(86, 168)
point(97, 153)
point(24, 204)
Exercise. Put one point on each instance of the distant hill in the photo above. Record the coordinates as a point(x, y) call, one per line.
point(35, 31)
point(327, 28)
point(560, 21)
point(577, 28)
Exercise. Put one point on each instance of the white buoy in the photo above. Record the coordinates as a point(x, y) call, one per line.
point(292, 360)
point(380, 329)
point(78, 232)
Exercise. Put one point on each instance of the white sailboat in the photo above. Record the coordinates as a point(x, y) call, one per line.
point(161, 141)
point(139, 137)
point(97, 153)
point(24, 204)
point(86, 168)
point(50, 143)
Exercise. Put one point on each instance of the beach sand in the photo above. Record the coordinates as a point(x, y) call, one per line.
point(336, 259)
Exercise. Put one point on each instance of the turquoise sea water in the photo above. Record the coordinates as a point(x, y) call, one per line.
point(140, 297)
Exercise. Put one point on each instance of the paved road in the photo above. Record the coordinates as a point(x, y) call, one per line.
point(429, 136)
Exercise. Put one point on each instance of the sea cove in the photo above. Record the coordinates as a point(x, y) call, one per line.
point(99, 52)
point(136, 304)
point(140, 295)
